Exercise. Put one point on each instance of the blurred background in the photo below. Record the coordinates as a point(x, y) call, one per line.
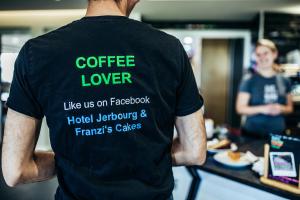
point(219, 37)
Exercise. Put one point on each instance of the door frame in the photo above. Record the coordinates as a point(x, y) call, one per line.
point(199, 35)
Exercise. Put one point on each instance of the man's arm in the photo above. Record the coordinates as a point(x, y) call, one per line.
point(190, 146)
point(20, 163)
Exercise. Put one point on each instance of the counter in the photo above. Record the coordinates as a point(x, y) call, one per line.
point(244, 176)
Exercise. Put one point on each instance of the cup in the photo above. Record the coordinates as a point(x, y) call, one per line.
point(209, 126)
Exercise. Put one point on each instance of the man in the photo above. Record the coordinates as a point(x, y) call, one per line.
point(111, 90)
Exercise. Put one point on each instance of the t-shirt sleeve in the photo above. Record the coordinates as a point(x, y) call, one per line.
point(21, 97)
point(188, 98)
point(245, 85)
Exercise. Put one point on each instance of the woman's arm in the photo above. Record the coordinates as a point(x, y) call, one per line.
point(288, 107)
point(243, 108)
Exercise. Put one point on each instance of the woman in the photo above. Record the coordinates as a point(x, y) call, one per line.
point(264, 96)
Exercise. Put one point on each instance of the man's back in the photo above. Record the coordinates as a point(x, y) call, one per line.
point(110, 88)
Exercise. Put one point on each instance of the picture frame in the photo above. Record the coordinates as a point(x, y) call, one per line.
point(283, 164)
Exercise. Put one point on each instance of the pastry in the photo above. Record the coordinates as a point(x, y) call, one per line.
point(235, 156)
point(222, 144)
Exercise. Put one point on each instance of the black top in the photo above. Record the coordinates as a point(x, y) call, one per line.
point(265, 91)
point(110, 88)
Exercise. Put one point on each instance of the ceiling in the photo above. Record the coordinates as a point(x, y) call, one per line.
point(221, 10)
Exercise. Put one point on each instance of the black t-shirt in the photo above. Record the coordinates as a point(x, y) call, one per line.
point(110, 88)
point(263, 91)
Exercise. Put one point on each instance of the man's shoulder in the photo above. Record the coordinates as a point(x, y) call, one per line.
point(154, 31)
point(63, 33)
point(52, 35)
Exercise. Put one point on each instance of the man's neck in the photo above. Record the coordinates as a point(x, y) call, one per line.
point(101, 8)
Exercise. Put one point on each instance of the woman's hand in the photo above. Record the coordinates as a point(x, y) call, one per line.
point(243, 108)
point(276, 109)
point(271, 109)
point(267, 109)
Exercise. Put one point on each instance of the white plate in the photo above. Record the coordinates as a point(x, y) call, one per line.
point(224, 159)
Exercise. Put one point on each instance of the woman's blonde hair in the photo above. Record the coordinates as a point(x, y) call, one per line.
point(271, 45)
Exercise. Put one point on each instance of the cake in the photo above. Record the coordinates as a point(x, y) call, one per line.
point(235, 156)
